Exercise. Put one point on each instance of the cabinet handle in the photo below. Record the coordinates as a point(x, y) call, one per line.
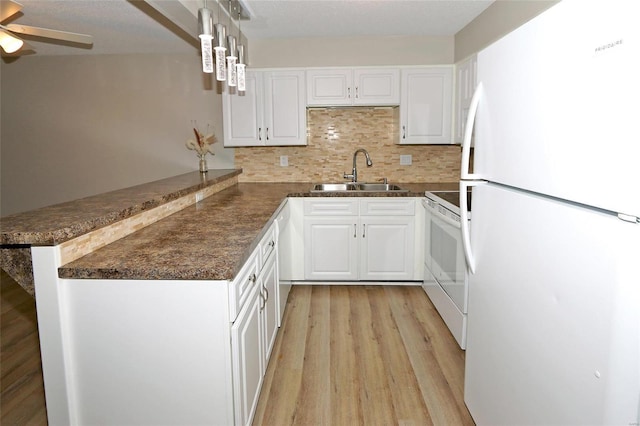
point(357, 92)
point(355, 230)
point(404, 132)
point(272, 243)
point(267, 133)
point(266, 290)
point(263, 301)
point(253, 278)
point(363, 230)
point(349, 92)
point(259, 133)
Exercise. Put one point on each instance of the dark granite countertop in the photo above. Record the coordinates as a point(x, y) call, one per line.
point(62, 222)
point(209, 240)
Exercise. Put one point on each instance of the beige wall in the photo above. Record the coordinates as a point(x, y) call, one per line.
point(74, 126)
point(351, 51)
point(497, 20)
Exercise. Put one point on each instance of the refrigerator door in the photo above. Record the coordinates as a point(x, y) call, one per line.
point(559, 110)
point(553, 331)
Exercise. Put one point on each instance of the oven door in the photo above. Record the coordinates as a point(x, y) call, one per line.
point(444, 256)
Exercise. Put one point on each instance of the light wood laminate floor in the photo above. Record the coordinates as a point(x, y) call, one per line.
point(345, 355)
point(363, 355)
point(22, 398)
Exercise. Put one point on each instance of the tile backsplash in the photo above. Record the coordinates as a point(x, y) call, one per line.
point(333, 135)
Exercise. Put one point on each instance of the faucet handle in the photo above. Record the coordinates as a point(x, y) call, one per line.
point(383, 180)
point(347, 176)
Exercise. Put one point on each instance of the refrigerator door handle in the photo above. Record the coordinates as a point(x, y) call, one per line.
point(464, 223)
point(468, 132)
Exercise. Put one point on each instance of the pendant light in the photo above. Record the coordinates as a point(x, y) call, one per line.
point(240, 64)
point(220, 49)
point(204, 28)
point(232, 75)
point(228, 53)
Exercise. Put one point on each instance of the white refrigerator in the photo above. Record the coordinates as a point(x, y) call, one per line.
point(553, 246)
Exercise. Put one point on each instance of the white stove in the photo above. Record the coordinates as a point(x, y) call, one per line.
point(445, 280)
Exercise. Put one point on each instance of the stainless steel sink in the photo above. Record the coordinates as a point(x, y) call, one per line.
point(379, 187)
point(356, 186)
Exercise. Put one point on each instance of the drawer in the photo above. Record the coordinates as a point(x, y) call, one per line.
point(387, 206)
point(331, 207)
point(241, 287)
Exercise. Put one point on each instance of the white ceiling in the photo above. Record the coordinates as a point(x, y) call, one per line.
point(333, 18)
point(132, 26)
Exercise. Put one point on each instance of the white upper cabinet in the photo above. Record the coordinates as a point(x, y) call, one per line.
point(425, 106)
point(270, 113)
point(465, 86)
point(353, 86)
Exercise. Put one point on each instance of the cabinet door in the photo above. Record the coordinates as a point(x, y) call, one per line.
point(247, 352)
point(425, 105)
point(376, 86)
point(243, 114)
point(284, 108)
point(331, 251)
point(269, 306)
point(465, 86)
point(387, 248)
point(327, 87)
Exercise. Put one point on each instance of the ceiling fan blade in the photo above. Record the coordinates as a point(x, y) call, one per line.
point(8, 8)
point(47, 33)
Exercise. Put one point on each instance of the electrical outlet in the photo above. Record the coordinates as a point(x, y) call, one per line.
point(284, 160)
point(405, 160)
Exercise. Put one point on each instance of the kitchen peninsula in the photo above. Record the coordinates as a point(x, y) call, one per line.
point(137, 295)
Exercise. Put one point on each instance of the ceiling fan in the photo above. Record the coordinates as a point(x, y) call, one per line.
point(11, 44)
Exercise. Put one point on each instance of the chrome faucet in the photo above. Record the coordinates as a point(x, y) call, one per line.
point(354, 173)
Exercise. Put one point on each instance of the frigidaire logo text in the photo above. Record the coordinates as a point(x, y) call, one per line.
point(608, 46)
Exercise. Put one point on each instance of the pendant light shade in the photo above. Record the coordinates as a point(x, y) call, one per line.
point(232, 75)
point(240, 69)
point(220, 49)
point(206, 35)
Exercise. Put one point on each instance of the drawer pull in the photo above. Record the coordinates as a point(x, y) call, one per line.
point(253, 278)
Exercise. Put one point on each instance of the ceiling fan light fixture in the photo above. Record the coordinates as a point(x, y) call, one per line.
point(9, 43)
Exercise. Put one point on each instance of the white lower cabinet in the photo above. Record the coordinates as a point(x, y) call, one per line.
point(359, 239)
point(331, 248)
point(270, 313)
point(386, 248)
point(254, 331)
point(247, 359)
point(171, 352)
